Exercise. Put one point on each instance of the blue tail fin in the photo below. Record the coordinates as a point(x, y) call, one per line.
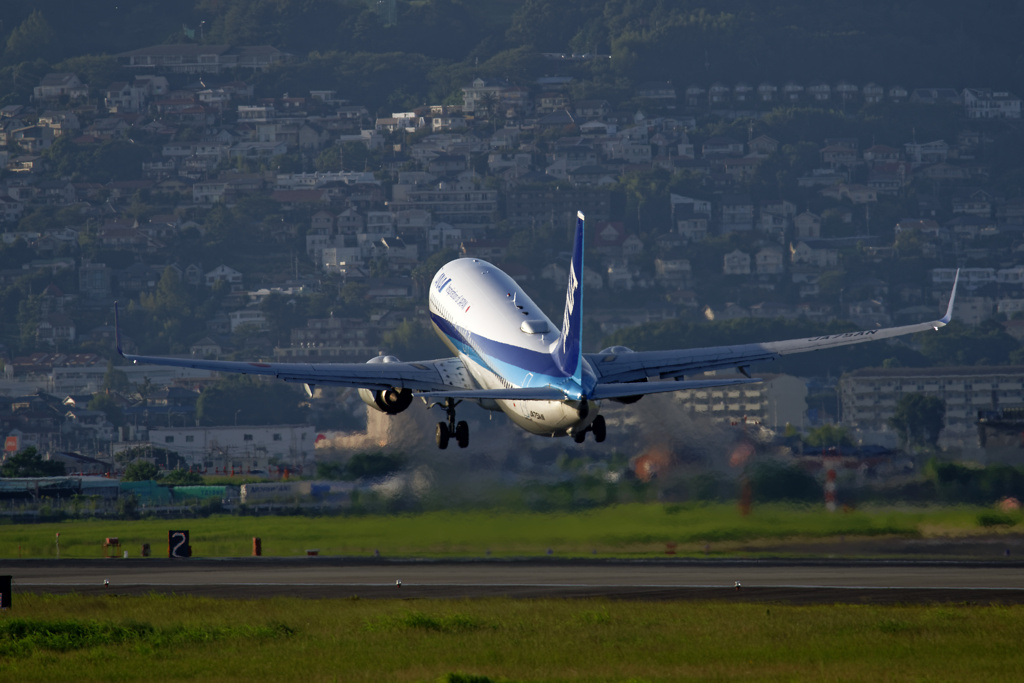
point(569, 351)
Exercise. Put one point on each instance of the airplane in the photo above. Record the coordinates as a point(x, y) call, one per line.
point(509, 357)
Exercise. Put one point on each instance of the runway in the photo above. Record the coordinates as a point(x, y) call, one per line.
point(809, 581)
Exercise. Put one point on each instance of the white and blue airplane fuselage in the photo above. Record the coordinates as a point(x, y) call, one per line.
point(505, 341)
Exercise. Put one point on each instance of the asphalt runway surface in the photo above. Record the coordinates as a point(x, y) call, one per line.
point(784, 581)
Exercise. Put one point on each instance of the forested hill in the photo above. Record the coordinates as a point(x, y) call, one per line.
point(914, 43)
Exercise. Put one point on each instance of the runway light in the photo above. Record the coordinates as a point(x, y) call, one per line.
point(106, 583)
point(398, 583)
point(738, 586)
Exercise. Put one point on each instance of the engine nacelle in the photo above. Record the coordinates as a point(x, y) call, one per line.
point(389, 401)
point(610, 353)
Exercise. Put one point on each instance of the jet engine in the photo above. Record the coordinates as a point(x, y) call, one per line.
point(610, 353)
point(389, 401)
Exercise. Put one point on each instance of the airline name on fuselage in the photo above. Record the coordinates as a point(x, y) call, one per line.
point(844, 335)
point(443, 285)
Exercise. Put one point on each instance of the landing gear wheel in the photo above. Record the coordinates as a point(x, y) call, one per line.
point(600, 432)
point(579, 437)
point(441, 435)
point(462, 434)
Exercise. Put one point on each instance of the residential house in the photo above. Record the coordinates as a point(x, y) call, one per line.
point(792, 92)
point(935, 152)
point(897, 93)
point(736, 263)
point(769, 261)
point(974, 203)
point(482, 94)
point(206, 348)
point(839, 156)
point(224, 274)
point(661, 92)
point(763, 146)
point(721, 146)
point(251, 318)
point(719, 94)
point(737, 213)
point(881, 153)
point(673, 272)
point(55, 86)
point(818, 253)
point(855, 193)
point(934, 96)
point(56, 329)
point(692, 227)
point(873, 93)
point(590, 110)
point(869, 313)
point(741, 170)
point(742, 95)
point(988, 104)
point(820, 92)
point(695, 96)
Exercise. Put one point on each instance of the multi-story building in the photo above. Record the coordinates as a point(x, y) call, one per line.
point(530, 204)
point(777, 401)
point(987, 104)
point(869, 396)
point(459, 203)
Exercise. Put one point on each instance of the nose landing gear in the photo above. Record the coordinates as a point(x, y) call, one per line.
point(451, 428)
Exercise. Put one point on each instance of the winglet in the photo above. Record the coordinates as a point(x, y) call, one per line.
point(117, 332)
point(952, 297)
point(568, 350)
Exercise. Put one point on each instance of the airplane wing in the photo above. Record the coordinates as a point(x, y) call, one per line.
point(635, 367)
point(431, 375)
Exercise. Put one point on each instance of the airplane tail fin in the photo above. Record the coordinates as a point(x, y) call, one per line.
point(568, 351)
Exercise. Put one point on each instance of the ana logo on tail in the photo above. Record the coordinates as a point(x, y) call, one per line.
point(570, 304)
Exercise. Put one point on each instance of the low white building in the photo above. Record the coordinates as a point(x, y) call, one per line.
point(247, 447)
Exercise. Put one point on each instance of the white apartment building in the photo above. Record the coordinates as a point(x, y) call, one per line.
point(868, 396)
point(777, 401)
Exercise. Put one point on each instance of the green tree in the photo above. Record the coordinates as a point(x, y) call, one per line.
point(110, 407)
point(242, 399)
point(170, 299)
point(141, 470)
point(328, 160)
point(775, 481)
point(181, 477)
point(354, 156)
point(829, 435)
point(31, 40)
point(114, 379)
point(29, 463)
point(918, 419)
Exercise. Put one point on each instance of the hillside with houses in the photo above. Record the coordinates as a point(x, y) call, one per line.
point(231, 219)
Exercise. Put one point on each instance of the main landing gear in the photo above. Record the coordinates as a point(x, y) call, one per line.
point(597, 427)
point(447, 430)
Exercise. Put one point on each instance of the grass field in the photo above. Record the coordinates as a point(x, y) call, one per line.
point(51, 638)
point(635, 530)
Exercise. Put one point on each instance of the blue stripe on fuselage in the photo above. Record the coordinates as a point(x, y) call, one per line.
point(491, 353)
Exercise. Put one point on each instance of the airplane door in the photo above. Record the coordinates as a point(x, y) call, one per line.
point(524, 406)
